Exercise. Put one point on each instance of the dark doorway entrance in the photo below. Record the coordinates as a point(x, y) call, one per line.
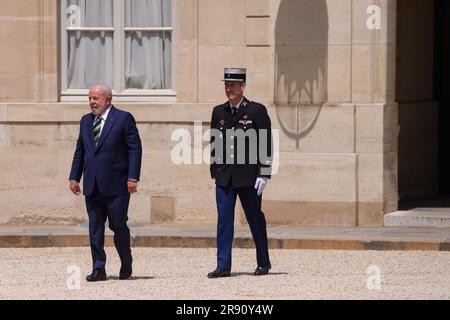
point(423, 95)
point(442, 91)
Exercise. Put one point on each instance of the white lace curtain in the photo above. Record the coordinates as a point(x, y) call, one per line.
point(147, 53)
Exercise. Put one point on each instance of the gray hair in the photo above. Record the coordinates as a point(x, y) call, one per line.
point(103, 88)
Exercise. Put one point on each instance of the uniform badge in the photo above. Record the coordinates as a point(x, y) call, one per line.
point(245, 122)
point(222, 122)
point(245, 117)
point(244, 103)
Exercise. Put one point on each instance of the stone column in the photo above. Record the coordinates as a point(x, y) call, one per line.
point(28, 51)
point(373, 93)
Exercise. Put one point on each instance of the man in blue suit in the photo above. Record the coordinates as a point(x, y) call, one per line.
point(108, 156)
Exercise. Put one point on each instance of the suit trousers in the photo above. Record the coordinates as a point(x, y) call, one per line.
point(115, 209)
point(251, 203)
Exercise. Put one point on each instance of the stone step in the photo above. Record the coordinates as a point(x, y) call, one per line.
point(415, 218)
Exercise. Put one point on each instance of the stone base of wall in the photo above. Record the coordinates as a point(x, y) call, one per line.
point(331, 177)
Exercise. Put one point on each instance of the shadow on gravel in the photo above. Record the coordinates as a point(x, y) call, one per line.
point(130, 279)
point(239, 274)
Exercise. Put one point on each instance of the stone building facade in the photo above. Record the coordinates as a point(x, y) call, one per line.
point(333, 74)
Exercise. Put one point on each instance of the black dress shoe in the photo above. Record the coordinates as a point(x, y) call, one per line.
point(219, 273)
point(97, 275)
point(262, 271)
point(125, 272)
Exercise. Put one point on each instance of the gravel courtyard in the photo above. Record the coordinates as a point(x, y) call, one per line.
point(165, 273)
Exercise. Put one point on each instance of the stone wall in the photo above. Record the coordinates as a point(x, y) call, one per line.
point(326, 81)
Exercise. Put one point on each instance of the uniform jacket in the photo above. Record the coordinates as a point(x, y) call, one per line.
point(228, 165)
point(116, 158)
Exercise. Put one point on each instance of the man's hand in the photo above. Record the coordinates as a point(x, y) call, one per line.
point(132, 186)
point(75, 187)
point(260, 184)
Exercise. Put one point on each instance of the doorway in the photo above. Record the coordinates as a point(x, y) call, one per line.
point(423, 96)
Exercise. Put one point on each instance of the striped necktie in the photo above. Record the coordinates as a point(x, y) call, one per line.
point(97, 129)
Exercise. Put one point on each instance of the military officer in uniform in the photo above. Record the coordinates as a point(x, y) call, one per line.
point(237, 174)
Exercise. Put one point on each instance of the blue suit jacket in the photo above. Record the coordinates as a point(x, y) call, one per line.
point(116, 158)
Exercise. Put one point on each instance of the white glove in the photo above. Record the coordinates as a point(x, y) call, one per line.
point(260, 184)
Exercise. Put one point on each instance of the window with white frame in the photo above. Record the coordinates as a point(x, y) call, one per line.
point(125, 43)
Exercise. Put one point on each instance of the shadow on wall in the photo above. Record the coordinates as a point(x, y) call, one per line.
point(301, 58)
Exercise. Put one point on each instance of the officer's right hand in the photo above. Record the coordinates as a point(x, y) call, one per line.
point(260, 185)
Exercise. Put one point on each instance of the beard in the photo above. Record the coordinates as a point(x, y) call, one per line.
point(95, 111)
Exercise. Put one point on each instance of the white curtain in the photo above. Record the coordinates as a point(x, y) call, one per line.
point(91, 53)
point(148, 54)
